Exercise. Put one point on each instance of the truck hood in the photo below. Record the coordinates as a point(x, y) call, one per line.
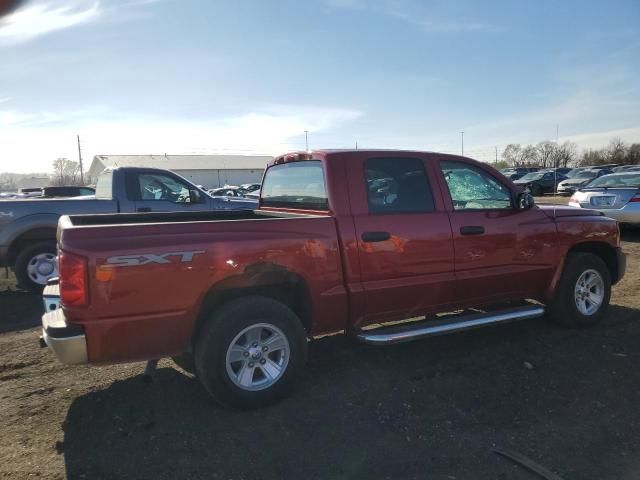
point(558, 211)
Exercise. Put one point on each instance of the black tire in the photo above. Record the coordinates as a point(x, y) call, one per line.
point(218, 334)
point(185, 362)
point(22, 262)
point(563, 309)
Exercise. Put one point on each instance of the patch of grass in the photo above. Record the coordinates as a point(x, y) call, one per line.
point(7, 283)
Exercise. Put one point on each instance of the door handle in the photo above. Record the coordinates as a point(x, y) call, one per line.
point(144, 209)
point(375, 236)
point(471, 230)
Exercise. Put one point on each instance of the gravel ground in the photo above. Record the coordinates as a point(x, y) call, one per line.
point(431, 409)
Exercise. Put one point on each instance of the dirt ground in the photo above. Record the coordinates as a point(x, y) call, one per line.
point(434, 409)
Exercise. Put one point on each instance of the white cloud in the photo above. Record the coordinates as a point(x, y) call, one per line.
point(600, 139)
point(26, 144)
point(33, 21)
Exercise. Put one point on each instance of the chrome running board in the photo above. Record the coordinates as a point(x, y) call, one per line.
point(430, 328)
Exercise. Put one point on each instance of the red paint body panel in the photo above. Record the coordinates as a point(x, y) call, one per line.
point(145, 311)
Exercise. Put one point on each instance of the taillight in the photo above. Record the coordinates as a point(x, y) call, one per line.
point(73, 280)
point(574, 198)
point(635, 198)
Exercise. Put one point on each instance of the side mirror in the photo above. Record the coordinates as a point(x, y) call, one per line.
point(195, 196)
point(525, 201)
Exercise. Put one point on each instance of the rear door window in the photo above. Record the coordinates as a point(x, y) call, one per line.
point(397, 185)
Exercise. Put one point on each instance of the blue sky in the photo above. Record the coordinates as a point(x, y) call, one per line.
point(179, 76)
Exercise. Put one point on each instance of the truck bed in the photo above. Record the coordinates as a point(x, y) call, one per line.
point(152, 272)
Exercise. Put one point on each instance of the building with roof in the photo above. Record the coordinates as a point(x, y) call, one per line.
point(210, 171)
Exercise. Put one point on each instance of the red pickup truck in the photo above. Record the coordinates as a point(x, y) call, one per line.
point(352, 241)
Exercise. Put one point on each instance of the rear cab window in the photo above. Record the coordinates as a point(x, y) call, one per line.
point(297, 185)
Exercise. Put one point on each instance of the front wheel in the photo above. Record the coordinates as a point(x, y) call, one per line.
point(251, 353)
point(583, 294)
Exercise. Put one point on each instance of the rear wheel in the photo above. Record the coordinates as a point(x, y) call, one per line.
point(583, 294)
point(35, 265)
point(251, 353)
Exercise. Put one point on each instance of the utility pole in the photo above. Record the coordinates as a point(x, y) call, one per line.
point(80, 160)
point(496, 155)
point(462, 140)
point(356, 144)
point(555, 161)
point(306, 139)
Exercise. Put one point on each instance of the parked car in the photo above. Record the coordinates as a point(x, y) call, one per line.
point(539, 183)
point(234, 295)
point(28, 227)
point(559, 170)
point(31, 191)
point(580, 179)
point(226, 192)
point(67, 191)
point(616, 195)
point(249, 187)
point(514, 173)
point(574, 171)
point(625, 168)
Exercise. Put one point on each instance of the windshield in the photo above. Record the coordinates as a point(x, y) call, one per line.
point(295, 185)
point(532, 176)
point(630, 180)
point(586, 174)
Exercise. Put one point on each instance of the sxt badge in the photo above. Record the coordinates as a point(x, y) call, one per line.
point(147, 258)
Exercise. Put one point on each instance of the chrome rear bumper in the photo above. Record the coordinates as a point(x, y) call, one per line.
point(67, 341)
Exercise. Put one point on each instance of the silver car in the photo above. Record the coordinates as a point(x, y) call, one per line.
point(616, 195)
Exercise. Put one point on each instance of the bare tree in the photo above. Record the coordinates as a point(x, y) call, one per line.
point(592, 157)
point(8, 182)
point(66, 172)
point(512, 154)
point(529, 157)
point(545, 152)
point(633, 154)
point(565, 154)
point(616, 151)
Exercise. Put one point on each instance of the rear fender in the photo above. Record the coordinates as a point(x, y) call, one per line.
point(262, 278)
